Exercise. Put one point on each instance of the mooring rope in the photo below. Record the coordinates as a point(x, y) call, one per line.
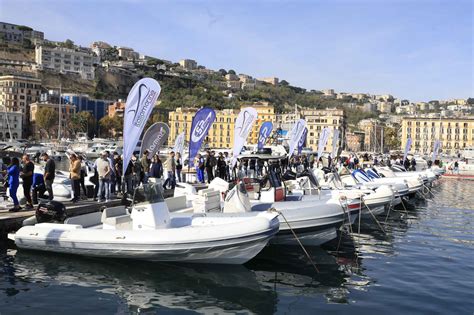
point(297, 239)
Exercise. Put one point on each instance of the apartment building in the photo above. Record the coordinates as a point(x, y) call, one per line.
point(317, 120)
point(17, 34)
point(188, 64)
point(455, 133)
point(11, 126)
point(98, 108)
point(66, 60)
point(116, 109)
point(16, 95)
point(221, 134)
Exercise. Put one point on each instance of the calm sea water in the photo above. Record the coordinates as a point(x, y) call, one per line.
point(424, 264)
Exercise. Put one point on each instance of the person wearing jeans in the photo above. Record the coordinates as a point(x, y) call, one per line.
point(170, 169)
point(26, 174)
point(179, 167)
point(103, 169)
point(75, 175)
point(49, 174)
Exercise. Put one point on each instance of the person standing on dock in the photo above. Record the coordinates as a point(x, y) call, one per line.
point(49, 174)
point(103, 169)
point(145, 164)
point(199, 163)
point(118, 163)
point(13, 172)
point(170, 169)
point(27, 175)
point(179, 166)
point(221, 166)
point(83, 175)
point(75, 175)
point(211, 162)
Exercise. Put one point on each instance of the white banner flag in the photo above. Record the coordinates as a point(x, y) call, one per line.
point(323, 140)
point(179, 144)
point(335, 140)
point(243, 126)
point(140, 103)
point(295, 135)
point(407, 149)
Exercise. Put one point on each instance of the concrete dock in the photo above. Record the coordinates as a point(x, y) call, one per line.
point(12, 221)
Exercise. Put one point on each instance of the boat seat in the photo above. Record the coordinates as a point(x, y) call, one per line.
point(176, 203)
point(121, 222)
point(207, 200)
point(113, 212)
point(86, 220)
point(116, 218)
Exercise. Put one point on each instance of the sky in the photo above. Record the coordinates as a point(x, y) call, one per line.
point(413, 49)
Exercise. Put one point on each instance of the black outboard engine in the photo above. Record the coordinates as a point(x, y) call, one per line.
point(288, 175)
point(326, 170)
point(311, 177)
point(51, 211)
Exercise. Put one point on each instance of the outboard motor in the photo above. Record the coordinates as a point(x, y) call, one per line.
point(51, 211)
point(326, 170)
point(311, 177)
point(237, 200)
point(288, 175)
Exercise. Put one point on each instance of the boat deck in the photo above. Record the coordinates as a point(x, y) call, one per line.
point(12, 221)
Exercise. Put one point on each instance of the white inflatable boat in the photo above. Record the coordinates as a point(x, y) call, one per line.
point(148, 232)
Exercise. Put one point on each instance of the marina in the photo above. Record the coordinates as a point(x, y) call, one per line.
point(218, 157)
point(425, 251)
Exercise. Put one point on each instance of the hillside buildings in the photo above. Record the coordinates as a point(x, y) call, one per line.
point(271, 80)
point(127, 53)
point(11, 125)
point(19, 34)
point(454, 133)
point(16, 95)
point(98, 108)
point(116, 109)
point(65, 60)
point(188, 64)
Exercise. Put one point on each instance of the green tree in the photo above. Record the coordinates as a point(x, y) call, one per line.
point(46, 120)
point(82, 122)
point(470, 101)
point(231, 72)
point(111, 126)
point(69, 44)
point(391, 139)
point(284, 83)
point(222, 72)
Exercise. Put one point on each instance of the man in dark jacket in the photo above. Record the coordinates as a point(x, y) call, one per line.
point(211, 162)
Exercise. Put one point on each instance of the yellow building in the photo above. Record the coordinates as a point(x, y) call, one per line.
point(16, 95)
point(221, 133)
point(67, 110)
point(454, 133)
point(317, 120)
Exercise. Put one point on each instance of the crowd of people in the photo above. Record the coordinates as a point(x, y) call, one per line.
point(208, 166)
point(105, 173)
point(109, 180)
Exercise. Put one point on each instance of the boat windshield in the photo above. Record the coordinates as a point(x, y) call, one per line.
point(148, 193)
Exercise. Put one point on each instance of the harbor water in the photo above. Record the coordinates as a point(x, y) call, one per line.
point(424, 264)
